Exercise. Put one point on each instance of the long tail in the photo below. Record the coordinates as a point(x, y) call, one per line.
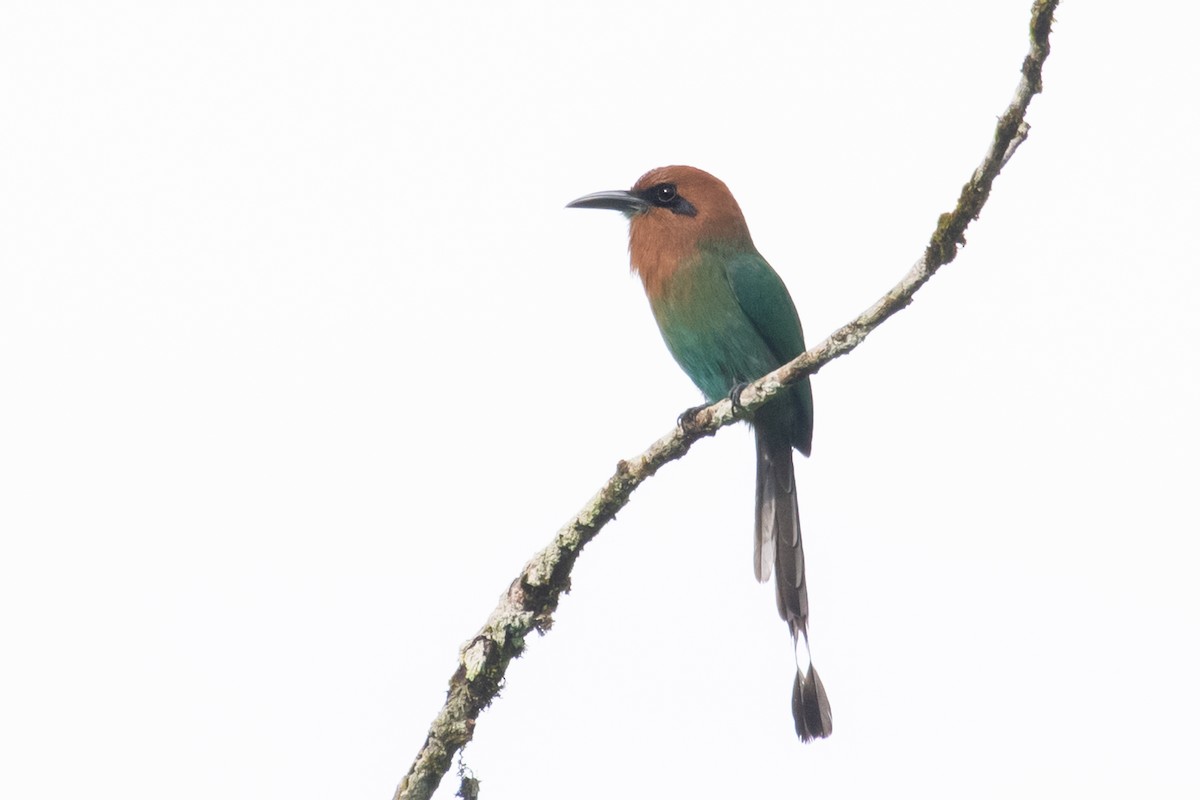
point(777, 542)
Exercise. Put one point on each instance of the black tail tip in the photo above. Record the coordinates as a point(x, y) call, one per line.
point(810, 707)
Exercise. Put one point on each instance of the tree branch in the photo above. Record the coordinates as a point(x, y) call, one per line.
point(531, 600)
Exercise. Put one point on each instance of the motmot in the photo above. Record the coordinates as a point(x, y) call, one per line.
point(728, 319)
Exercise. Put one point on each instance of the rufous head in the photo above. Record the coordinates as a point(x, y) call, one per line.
point(672, 211)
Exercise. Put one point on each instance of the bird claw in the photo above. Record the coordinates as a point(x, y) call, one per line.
point(687, 420)
point(735, 395)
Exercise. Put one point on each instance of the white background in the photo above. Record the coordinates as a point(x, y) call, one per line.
point(301, 358)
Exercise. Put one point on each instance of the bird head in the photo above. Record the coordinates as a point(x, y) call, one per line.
point(672, 212)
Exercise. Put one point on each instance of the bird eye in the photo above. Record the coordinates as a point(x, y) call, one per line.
point(664, 194)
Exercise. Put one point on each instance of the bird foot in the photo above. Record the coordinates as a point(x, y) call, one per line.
point(735, 395)
point(687, 420)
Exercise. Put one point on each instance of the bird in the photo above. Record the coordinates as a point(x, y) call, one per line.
point(727, 319)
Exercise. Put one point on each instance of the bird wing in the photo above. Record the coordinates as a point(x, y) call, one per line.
point(765, 301)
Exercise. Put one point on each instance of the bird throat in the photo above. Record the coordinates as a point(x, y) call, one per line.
point(660, 248)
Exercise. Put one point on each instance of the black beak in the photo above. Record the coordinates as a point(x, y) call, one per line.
point(627, 203)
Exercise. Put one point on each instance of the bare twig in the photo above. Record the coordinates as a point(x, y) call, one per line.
point(532, 598)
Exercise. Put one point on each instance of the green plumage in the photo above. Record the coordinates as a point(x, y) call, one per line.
point(727, 318)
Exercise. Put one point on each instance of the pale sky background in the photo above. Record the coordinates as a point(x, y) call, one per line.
point(301, 358)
